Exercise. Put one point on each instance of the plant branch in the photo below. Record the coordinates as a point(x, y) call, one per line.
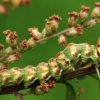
point(84, 25)
point(67, 76)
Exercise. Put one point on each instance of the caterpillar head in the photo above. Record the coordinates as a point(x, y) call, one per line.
point(98, 46)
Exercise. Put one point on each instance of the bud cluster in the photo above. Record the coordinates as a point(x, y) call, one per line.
point(51, 26)
point(11, 38)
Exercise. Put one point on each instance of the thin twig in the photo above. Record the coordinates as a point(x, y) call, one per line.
point(67, 76)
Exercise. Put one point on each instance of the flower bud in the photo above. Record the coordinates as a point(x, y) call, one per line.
point(96, 11)
point(62, 40)
point(43, 72)
point(98, 46)
point(24, 2)
point(73, 18)
point(84, 13)
point(11, 38)
point(74, 31)
point(71, 51)
point(16, 3)
point(35, 34)
point(54, 68)
point(51, 26)
point(47, 31)
point(91, 23)
point(16, 75)
point(43, 88)
point(29, 75)
point(3, 9)
point(54, 22)
point(31, 43)
point(1, 48)
point(8, 50)
point(3, 66)
point(63, 61)
point(24, 45)
point(5, 77)
point(12, 58)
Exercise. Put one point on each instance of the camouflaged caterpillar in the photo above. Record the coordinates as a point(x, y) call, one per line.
point(72, 57)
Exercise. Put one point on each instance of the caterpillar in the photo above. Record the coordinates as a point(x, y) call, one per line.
point(71, 58)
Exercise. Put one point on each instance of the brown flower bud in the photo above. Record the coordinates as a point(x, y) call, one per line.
point(24, 45)
point(8, 50)
point(3, 9)
point(91, 23)
point(98, 46)
point(3, 66)
point(15, 3)
point(43, 88)
point(73, 18)
point(12, 58)
point(47, 31)
point(6, 32)
point(31, 43)
point(96, 11)
point(24, 2)
point(34, 33)
point(84, 13)
point(51, 84)
point(55, 22)
point(11, 38)
point(55, 17)
point(62, 40)
point(74, 31)
point(1, 48)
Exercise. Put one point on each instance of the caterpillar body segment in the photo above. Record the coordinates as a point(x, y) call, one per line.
point(71, 58)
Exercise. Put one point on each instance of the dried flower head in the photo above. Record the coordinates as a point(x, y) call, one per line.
point(3, 66)
point(24, 45)
point(12, 58)
point(84, 13)
point(91, 23)
point(31, 43)
point(51, 83)
point(6, 32)
point(11, 38)
point(24, 2)
point(47, 31)
point(44, 87)
point(74, 31)
point(96, 11)
point(73, 18)
point(98, 46)
point(62, 40)
point(1, 46)
point(34, 33)
point(55, 17)
point(3, 9)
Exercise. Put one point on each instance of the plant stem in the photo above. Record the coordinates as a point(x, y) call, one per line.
point(66, 76)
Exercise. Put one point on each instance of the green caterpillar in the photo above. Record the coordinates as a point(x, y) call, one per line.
point(71, 58)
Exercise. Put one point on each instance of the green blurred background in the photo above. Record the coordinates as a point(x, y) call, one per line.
point(34, 15)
